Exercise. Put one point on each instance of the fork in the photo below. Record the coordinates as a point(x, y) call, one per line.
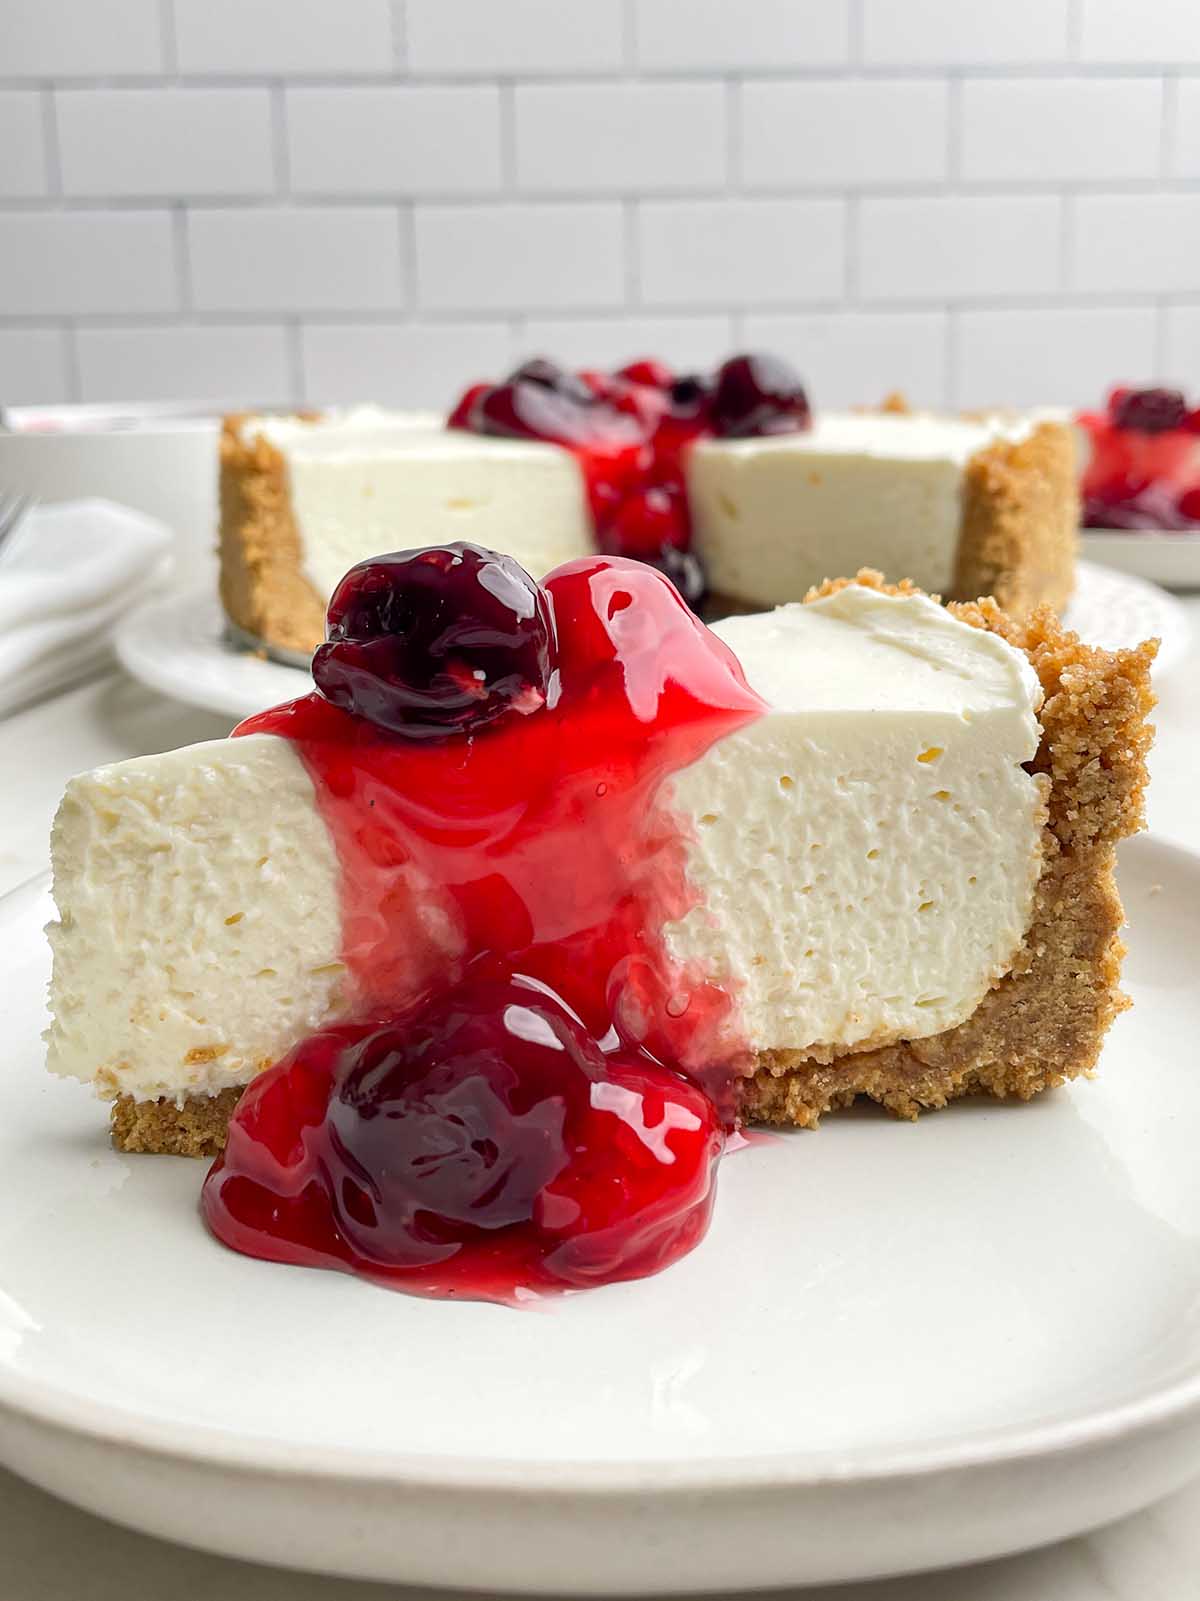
point(13, 510)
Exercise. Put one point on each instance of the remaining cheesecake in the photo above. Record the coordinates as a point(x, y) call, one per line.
point(881, 864)
point(730, 485)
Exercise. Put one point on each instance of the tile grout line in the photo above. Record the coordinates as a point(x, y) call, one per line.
point(954, 129)
point(296, 365)
point(951, 388)
point(734, 136)
point(170, 43)
point(435, 317)
point(1169, 126)
point(50, 142)
point(507, 90)
point(851, 238)
point(1066, 241)
point(409, 259)
point(71, 347)
point(1071, 71)
point(281, 157)
point(181, 247)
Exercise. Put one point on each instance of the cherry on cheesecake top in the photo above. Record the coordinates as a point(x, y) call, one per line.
point(527, 1092)
point(630, 431)
point(1144, 470)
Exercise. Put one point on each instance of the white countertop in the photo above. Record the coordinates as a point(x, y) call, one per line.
point(51, 1552)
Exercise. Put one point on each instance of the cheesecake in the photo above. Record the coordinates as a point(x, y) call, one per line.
point(894, 858)
point(730, 483)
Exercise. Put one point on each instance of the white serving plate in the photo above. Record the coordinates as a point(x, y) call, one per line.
point(900, 1346)
point(1170, 559)
point(180, 645)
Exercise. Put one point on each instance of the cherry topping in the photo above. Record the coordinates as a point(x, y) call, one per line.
point(464, 411)
point(486, 1145)
point(654, 374)
point(646, 520)
point(690, 395)
point(530, 1089)
point(541, 370)
point(631, 432)
point(685, 570)
point(437, 641)
point(1151, 411)
point(758, 395)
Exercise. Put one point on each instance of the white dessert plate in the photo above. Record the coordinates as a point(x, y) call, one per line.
point(180, 644)
point(1171, 559)
point(900, 1345)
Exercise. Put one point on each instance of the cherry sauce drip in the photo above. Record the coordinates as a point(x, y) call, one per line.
point(530, 1092)
point(630, 432)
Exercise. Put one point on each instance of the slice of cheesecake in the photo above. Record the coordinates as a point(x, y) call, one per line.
point(963, 507)
point(894, 870)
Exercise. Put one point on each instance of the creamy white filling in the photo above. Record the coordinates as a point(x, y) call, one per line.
point(866, 855)
point(199, 932)
point(771, 516)
point(368, 481)
point(774, 516)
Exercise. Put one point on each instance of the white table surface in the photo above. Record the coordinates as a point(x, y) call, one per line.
point(51, 1552)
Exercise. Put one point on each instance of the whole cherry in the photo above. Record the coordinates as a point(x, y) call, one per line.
point(757, 394)
point(441, 640)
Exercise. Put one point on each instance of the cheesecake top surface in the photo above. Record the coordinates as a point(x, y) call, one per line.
point(368, 432)
point(916, 436)
point(900, 436)
point(862, 650)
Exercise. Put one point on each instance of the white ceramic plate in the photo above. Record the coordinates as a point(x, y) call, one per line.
point(179, 644)
point(1119, 609)
point(1169, 559)
point(901, 1345)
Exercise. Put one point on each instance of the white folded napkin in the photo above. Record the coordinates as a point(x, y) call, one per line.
point(66, 576)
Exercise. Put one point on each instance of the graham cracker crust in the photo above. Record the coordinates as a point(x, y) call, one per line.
point(197, 1128)
point(263, 589)
point(1044, 1022)
point(1020, 522)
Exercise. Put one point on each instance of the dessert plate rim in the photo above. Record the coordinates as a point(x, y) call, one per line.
point(40, 1402)
point(1168, 557)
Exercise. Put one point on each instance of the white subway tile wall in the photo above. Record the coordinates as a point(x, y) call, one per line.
point(296, 200)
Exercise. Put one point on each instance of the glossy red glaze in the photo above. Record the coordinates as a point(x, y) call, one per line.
point(1141, 476)
point(632, 431)
point(542, 846)
point(484, 1148)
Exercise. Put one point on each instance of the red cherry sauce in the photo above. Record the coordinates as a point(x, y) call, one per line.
point(630, 432)
point(435, 1141)
point(1144, 466)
